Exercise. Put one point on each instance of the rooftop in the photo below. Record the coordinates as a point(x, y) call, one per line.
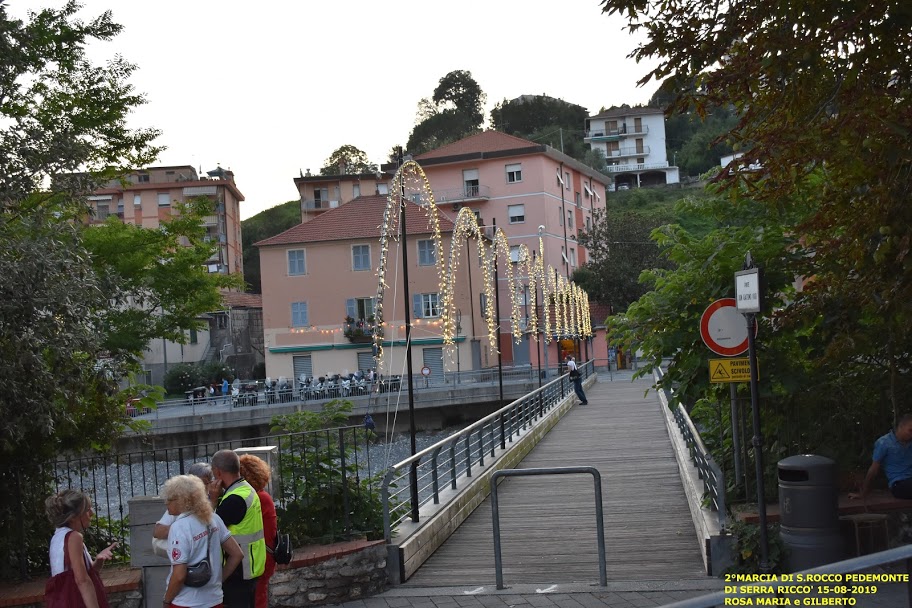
point(360, 218)
point(625, 111)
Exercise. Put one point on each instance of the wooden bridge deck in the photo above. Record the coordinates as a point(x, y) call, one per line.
point(548, 530)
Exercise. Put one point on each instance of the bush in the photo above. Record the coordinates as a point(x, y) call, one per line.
point(747, 549)
point(316, 489)
point(187, 376)
point(182, 377)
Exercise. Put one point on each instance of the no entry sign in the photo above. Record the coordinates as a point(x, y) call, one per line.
point(723, 328)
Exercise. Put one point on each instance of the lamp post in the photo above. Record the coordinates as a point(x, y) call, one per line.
point(749, 302)
point(413, 472)
point(458, 330)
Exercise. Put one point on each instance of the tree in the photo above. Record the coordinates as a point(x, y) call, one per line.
point(822, 97)
point(454, 111)
point(155, 281)
point(347, 160)
point(262, 226)
point(544, 119)
point(619, 250)
point(68, 338)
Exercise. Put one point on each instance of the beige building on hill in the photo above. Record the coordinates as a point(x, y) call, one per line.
point(146, 198)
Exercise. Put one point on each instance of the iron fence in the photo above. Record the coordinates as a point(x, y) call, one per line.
point(335, 464)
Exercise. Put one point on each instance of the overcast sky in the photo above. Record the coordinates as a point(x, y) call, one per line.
point(270, 88)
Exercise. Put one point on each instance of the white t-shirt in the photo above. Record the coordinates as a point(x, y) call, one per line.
point(187, 540)
point(571, 364)
point(57, 550)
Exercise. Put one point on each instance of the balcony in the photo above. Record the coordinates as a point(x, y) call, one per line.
point(463, 195)
point(317, 204)
point(615, 134)
point(624, 152)
point(633, 168)
point(210, 220)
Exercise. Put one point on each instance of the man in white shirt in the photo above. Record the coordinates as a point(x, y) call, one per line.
point(577, 380)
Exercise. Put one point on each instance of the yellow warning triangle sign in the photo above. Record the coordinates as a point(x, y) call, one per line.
point(720, 373)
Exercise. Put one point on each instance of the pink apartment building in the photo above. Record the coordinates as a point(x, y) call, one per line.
point(520, 185)
point(322, 272)
point(320, 193)
point(146, 198)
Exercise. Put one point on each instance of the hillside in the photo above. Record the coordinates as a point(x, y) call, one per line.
point(262, 226)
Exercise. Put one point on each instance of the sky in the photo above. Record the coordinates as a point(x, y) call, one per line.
point(268, 89)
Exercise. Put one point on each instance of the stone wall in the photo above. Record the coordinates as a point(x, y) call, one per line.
point(319, 580)
point(117, 599)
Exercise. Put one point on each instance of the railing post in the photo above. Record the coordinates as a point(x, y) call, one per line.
point(481, 450)
point(434, 478)
point(453, 465)
point(468, 447)
point(346, 518)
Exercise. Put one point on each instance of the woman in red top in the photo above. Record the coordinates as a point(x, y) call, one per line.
point(257, 473)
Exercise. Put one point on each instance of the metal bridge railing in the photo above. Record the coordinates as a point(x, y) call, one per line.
point(709, 471)
point(843, 585)
point(449, 462)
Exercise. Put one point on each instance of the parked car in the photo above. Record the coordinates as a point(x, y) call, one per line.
point(623, 187)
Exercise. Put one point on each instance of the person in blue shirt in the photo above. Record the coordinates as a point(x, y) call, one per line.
point(893, 454)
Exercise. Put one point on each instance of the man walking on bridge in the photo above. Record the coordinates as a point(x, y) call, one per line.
point(577, 380)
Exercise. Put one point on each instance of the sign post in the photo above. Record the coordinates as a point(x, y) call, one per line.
point(749, 298)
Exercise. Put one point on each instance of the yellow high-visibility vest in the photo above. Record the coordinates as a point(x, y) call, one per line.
point(249, 533)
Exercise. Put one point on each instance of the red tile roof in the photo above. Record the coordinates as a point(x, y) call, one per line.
point(486, 141)
point(360, 218)
point(234, 299)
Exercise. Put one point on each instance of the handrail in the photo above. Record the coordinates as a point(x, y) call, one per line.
point(465, 448)
point(707, 468)
point(599, 518)
point(774, 583)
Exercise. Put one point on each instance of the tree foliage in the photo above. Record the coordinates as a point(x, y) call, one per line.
point(547, 120)
point(347, 160)
point(822, 93)
point(455, 110)
point(619, 250)
point(261, 226)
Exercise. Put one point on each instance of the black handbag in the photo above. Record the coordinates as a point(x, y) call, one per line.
point(200, 573)
point(282, 552)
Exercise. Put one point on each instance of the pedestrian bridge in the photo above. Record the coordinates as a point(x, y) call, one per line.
point(656, 527)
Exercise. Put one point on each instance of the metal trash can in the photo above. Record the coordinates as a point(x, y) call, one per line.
point(809, 511)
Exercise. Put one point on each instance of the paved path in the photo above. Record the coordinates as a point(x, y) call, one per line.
point(548, 523)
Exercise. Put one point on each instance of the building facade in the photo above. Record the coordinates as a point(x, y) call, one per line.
point(633, 141)
point(319, 295)
point(526, 189)
point(320, 193)
point(147, 198)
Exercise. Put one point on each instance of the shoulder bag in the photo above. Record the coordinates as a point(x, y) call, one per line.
point(200, 573)
point(61, 591)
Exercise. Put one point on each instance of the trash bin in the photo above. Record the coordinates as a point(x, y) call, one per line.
point(809, 511)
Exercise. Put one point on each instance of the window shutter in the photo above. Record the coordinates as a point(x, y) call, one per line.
point(416, 305)
point(350, 308)
point(305, 320)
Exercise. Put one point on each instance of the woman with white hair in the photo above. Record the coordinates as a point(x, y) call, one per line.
point(197, 534)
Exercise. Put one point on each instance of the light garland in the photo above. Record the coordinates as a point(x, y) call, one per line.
point(569, 302)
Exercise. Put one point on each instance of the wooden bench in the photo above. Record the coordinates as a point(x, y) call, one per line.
point(877, 501)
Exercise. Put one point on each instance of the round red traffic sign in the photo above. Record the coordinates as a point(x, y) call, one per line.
point(723, 328)
point(425, 371)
